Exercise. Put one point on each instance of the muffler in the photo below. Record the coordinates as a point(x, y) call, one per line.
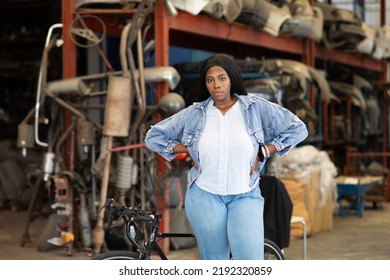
point(117, 111)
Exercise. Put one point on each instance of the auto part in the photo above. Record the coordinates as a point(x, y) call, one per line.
point(306, 21)
point(342, 28)
point(264, 14)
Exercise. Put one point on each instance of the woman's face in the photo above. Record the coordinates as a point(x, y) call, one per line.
point(218, 84)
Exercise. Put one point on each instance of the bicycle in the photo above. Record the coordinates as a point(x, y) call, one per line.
point(135, 220)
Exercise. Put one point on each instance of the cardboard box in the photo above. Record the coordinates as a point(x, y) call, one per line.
point(322, 217)
point(309, 203)
point(296, 191)
point(320, 208)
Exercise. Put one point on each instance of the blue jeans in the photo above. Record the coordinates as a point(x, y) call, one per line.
point(227, 226)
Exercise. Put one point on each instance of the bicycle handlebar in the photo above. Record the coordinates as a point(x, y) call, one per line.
point(134, 214)
point(143, 219)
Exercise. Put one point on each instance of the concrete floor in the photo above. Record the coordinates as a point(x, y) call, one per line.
point(352, 238)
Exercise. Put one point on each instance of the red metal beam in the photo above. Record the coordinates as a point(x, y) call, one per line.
point(69, 68)
point(162, 59)
point(352, 59)
point(69, 48)
point(219, 29)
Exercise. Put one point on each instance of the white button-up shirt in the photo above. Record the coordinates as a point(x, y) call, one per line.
point(225, 150)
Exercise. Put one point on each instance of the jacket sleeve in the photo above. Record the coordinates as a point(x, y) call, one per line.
point(165, 135)
point(288, 130)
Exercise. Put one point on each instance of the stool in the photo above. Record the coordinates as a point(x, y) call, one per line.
point(298, 219)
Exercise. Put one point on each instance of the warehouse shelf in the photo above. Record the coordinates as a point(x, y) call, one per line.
point(207, 33)
point(351, 59)
point(236, 32)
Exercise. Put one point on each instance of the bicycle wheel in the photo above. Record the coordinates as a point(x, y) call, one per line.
point(272, 251)
point(117, 255)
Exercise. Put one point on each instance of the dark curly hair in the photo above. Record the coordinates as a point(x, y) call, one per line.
point(226, 62)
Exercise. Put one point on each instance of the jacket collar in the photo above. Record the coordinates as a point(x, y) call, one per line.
point(245, 100)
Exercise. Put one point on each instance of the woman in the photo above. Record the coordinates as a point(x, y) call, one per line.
point(229, 135)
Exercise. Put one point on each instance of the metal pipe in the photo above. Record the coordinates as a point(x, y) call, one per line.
point(154, 74)
point(139, 88)
point(93, 182)
point(98, 232)
point(61, 141)
point(65, 105)
point(69, 85)
point(41, 78)
point(122, 49)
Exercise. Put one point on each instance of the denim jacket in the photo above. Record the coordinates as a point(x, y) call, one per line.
point(267, 123)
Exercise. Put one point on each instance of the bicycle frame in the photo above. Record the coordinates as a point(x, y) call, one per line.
point(131, 217)
point(152, 245)
point(157, 248)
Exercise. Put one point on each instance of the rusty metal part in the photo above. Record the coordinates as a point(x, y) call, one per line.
point(90, 36)
point(63, 204)
point(98, 232)
point(25, 136)
point(143, 10)
point(85, 133)
point(117, 113)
